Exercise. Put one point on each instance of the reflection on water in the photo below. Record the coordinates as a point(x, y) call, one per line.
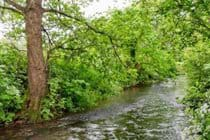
point(149, 113)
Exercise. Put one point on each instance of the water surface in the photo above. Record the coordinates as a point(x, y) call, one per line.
point(149, 113)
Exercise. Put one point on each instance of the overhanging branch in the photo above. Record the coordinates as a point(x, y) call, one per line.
point(91, 28)
point(15, 5)
point(11, 9)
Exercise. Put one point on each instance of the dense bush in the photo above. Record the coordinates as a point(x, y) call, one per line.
point(76, 86)
point(198, 98)
point(155, 64)
point(12, 81)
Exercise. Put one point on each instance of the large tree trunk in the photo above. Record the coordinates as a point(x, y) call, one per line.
point(37, 76)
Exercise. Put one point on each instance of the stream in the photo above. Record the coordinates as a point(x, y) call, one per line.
point(148, 113)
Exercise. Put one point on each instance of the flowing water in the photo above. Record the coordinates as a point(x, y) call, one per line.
point(149, 113)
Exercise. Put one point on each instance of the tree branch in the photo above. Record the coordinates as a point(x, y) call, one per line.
point(115, 51)
point(11, 9)
point(77, 19)
point(51, 42)
point(14, 4)
point(90, 27)
point(48, 36)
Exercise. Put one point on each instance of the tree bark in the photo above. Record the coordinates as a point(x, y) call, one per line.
point(37, 75)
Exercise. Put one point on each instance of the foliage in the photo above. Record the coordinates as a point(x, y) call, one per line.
point(198, 97)
point(186, 25)
point(89, 60)
point(12, 80)
point(156, 64)
point(83, 75)
point(77, 85)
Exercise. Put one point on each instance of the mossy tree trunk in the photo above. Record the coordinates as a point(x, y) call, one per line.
point(37, 75)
